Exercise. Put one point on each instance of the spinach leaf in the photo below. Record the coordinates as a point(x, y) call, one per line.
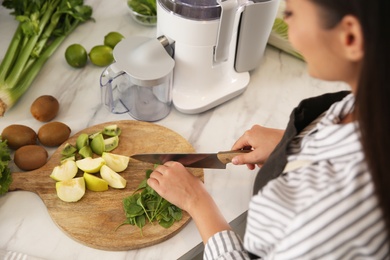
point(146, 204)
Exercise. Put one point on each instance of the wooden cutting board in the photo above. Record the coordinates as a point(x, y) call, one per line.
point(93, 220)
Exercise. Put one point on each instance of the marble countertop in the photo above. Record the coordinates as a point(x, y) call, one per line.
point(275, 88)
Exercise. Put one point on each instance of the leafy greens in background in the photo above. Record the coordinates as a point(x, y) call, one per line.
point(5, 172)
point(147, 205)
point(144, 7)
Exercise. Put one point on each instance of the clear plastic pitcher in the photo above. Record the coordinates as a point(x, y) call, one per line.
point(136, 85)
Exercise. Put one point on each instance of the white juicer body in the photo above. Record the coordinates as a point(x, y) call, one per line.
point(200, 83)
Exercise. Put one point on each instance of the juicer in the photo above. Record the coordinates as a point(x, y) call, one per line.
point(200, 58)
point(215, 44)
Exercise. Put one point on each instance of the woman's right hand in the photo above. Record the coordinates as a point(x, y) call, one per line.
point(261, 140)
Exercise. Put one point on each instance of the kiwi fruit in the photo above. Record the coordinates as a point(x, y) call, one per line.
point(18, 136)
point(111, 143)
point(45, 108)
point(30, 157)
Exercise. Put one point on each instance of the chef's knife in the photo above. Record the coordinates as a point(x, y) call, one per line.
point(192, 160)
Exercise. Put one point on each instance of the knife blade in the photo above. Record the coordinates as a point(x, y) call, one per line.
point(192, 160)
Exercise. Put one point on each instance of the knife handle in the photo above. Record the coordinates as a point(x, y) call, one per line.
point(226, 157)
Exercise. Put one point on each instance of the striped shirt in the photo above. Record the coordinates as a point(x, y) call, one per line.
point(325, 209)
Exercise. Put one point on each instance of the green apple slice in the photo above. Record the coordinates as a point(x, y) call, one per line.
point(71, 190)
point(90, 165)
point(95, 183)
point(116, 162)
point(113, 178)
point(65, 171)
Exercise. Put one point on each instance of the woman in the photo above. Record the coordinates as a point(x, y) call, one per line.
point(321, 191)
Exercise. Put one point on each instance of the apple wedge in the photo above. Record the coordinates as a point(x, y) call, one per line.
point(65, 171)
point(113, 178)
point(117, 162)
point(90, 165)
point(71, 190)
point(95, 183)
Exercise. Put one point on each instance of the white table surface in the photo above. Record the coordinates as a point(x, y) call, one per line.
point(275, 88)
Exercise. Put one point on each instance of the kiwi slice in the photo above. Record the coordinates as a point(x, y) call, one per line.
point(91, 136)
point(112, 130)
point(68, 151)
point(111, 143)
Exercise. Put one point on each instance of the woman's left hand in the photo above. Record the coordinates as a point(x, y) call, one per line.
point(180, 187)
point(177, 185)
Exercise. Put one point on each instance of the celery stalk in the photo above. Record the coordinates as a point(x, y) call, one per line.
point(43, 25)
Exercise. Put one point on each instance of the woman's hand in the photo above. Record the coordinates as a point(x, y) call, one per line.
point(261, 140)
point(177, 185)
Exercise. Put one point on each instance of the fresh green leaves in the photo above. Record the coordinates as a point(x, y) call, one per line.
point(147, 204)
point(5, 172)
point(144, 7)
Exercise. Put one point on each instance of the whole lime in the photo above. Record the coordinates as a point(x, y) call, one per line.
point(112, 38)
point(101, 55)
point(76, 55)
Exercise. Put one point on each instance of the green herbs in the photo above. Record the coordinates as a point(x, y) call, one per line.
point(144, 7)
point(146, 205)
point(5, 172)
point(144, 11)
point(43, 26)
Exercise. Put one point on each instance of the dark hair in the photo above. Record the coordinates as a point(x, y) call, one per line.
point(373, 92)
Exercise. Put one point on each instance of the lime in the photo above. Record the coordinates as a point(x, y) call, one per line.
point(112, 38)
point(76, 55)
point(101, 55)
